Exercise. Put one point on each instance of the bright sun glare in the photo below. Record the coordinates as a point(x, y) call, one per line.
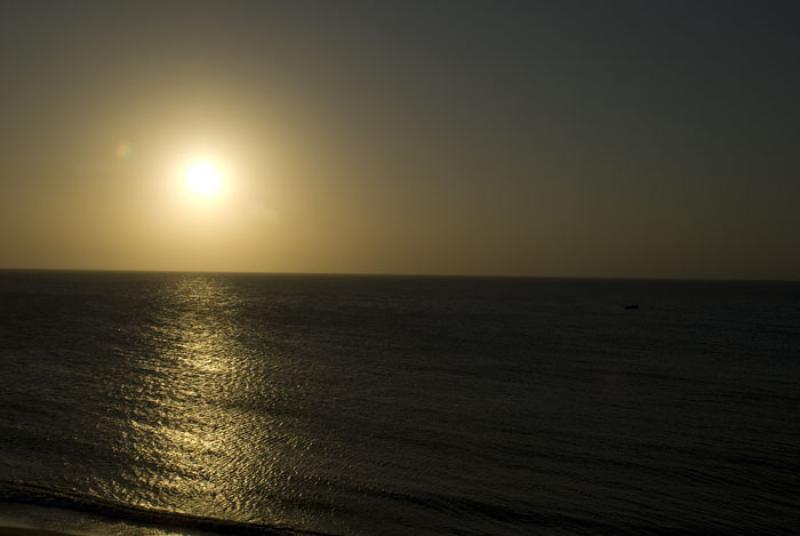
point(204, 178)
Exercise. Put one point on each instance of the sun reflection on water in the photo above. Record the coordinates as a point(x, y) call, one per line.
point(192, 442)
point(214, 412)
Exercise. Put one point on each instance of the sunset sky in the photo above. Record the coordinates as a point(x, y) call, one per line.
point(555, 138)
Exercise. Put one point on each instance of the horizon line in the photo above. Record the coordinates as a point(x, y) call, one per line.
point(399, 275)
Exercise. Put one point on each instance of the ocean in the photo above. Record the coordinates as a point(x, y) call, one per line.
point(168, 403)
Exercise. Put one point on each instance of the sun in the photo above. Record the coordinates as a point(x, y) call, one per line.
point(204, 178)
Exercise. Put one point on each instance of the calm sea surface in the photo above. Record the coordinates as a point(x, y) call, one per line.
point(229, 404)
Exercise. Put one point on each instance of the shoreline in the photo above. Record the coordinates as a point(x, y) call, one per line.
point(20, 531)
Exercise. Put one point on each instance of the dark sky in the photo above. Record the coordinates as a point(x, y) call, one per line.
point(597, 139)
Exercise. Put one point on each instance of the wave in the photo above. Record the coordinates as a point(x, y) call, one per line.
point(37, 495)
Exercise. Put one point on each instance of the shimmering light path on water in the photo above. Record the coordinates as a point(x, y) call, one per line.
point(365, 405)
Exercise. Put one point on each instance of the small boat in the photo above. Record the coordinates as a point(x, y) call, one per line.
point(632, 306)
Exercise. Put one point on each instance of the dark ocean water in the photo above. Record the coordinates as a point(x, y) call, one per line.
point(395, 405)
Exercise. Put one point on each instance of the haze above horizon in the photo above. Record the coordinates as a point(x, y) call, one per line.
point(557, 138)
